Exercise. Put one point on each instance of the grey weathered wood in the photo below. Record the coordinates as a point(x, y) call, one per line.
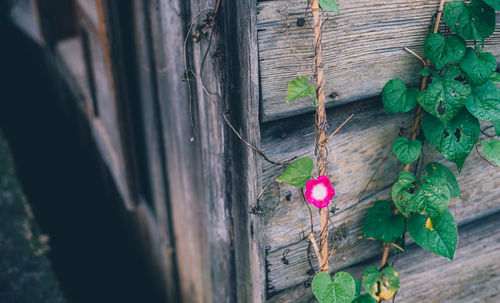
point(25, 14)
point(473, 275)
point(162, 243)
point(243, 97)
point(355, 152)
point(362, 49)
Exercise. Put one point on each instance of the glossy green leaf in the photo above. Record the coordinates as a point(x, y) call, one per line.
point(297, 173)
point(405, 150)
point(497, 127)
point(440, 237)
point(397, 98)
point(494, 4)
point(341, 290)
point(478, 68)
point(402, 192)
point(444, 98)
point(484, 102)
point(427, 71)
point(439, 170)
point(492, 150)
point(380, 284)
point(455, 140)
point(432, 197)
point(329, 5)
point(472, 21)
point(441, 51)
point(366, 298)
point(495, 77)
point(382, 224)
point(299, 87)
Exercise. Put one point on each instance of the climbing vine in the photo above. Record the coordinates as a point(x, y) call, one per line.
point(456, 92)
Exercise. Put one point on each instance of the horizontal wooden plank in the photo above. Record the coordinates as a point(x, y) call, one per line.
point(362, 49)
point(473, 275)
point(356, 153)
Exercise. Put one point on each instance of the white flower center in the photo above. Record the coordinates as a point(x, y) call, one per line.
point(319, 192)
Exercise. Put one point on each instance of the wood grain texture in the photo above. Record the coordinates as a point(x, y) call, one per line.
point(473, 275)
point(356, 153)
point(243, 99)
point(362, 49)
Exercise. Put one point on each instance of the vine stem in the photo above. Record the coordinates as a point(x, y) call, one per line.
point(416, 121)
point(320, 128)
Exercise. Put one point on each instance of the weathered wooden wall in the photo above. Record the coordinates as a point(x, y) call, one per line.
point(362, 51)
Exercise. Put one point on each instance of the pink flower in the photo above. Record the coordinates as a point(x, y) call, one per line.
point(319, 191)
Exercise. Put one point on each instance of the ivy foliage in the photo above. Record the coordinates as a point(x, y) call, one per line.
point(382, 224)
point(329, 5)
point(380, 285)
point(299, 87)
point(460, 92)
point(341, 290)
point(297, 173)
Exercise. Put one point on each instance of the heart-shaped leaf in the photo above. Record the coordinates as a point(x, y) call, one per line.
point(397, 98)
point(455, 140)
point(484, 102)
point(432, 197)
point(492, 150)
point(401, 192)
point(297, 173)
point(299, 87)
point(472, 21)
point(439, 170)
point(381, 224)
point(494, 4)
point(478, 68)
point(381, 285)
point(341, 290)
point(366, 298)
point(444, 98)
point(329, 5)
point(439, 237)
point(496, 124)
point(441, 51)
point(406, 151)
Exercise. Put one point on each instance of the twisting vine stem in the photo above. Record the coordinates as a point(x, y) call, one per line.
point(320, 127)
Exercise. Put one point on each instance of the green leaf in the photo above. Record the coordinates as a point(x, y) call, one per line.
point(484, 102)
point(380, 285)
point(438, 169)
point(401, 192)
point(406, 151)
point(494, 4)
point(444, 98)
point(366, 298)
point(297, 173)
point(358, 287)
point(473, 21)
point(382, 224)
point(397, 98)
point(427, 71)
point(299, 87)
point(432, 197)
point(452, 72)
point(492, 150)
point(341, 290)
point(439, 237)
point(441, 51)
point(329, 5)
point(495, 77)
point(478, 68)
point(496, 124)
point(455, 140)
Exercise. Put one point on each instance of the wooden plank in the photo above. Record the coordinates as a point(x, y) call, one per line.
point(243, 99)
point(473, 275)
point(356, 153)
point(164, 248)
point(25, 15)
point(363, 49)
